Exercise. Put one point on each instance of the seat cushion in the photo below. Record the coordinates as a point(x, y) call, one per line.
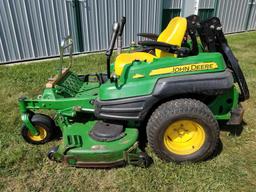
point(127, 58)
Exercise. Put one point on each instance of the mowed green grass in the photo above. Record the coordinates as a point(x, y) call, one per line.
point(25, 167)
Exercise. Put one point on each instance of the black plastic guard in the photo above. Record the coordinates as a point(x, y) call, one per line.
point(104, 131)
point(213, 40)
point(208, 84)
point(137, 108)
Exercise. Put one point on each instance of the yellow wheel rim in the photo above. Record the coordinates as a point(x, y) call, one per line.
point(41, 136)
point(184, 137)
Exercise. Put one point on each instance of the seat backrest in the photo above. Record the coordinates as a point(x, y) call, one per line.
point(173, 34)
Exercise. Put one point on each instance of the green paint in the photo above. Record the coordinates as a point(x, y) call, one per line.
point(223, 104)
point(79, 145)
point(71, 98)
point(126, 86)
point(28, 124)
point(68, 94)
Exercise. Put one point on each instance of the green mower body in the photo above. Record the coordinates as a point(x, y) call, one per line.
point(100, 117)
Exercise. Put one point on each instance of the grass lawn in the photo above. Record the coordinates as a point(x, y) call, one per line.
point(24, 167)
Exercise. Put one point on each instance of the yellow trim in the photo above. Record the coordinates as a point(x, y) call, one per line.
point(185, 68)
point(42, 135)
point(184, 137)
point(136, 76)
point(127, 58)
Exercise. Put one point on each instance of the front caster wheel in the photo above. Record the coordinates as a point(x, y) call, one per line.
point(51, 153)
point(45, 127)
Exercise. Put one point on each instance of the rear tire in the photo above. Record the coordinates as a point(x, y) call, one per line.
point(183, 130)
point(45, 126)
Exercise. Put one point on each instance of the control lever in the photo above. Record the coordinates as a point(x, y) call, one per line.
point(120, 33)
point(109, 51)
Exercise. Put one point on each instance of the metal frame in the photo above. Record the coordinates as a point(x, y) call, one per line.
point(66, 43)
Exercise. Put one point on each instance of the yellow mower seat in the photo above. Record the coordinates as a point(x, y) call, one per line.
point(173, 34)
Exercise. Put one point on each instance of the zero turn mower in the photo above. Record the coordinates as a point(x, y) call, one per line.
point(174, 86)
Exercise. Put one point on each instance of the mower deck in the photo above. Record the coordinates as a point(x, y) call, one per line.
point(79, 149)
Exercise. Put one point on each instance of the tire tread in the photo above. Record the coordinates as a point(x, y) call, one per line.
point(180, 106)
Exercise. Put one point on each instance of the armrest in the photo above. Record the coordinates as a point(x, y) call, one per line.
point(180, 51)
point(159, 45)
point(148, 35)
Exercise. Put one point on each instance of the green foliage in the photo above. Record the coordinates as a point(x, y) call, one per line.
point(25, 167)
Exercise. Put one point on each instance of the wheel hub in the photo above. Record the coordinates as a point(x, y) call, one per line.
point(41, 135)
point(184, 137)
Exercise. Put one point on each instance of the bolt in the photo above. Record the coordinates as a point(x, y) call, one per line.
point(169, 138)
point(219, 28)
